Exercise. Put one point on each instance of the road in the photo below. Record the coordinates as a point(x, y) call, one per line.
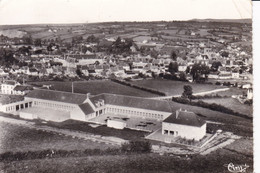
point(195, 94)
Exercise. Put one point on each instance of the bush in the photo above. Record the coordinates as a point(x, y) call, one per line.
point(248, 102)
point(217, 83)
point(137, 146)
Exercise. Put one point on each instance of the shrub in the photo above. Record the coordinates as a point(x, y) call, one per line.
point(136, 146)
point(217, 83)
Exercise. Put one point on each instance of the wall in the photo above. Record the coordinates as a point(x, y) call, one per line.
point(184, 131)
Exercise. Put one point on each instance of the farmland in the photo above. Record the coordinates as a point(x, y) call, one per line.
point(17, 138)
point(174, 87)
point(233, 104)
point(96, 87)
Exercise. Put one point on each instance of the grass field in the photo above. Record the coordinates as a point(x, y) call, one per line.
point(97, 87)
point(17, 138)
point(134, 163)
point(233, 104)
point(171, 87)
point(243, 146)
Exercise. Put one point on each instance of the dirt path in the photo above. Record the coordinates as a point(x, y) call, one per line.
point(195, 94)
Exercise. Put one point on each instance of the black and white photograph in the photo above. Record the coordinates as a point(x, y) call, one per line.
point(126, 86)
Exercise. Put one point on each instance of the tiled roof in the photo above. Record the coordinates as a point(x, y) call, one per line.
point(86, 108)
point(10, 82)
point(185, 118)
point(85, 56)
point(22, 88)
point(136, 102)
point(58, 96)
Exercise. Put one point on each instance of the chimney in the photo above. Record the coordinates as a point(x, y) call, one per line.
point(177, 114)
point(88, 94)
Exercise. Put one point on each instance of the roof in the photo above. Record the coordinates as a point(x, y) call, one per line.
point(22, 88)
point(135, 102)
point(59, 96)
point(48, 114)
point(10, 82)
point(84, 56)
point(185, 118)
point(86, 108)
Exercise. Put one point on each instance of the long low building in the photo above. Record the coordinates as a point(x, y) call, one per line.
point(59, 106)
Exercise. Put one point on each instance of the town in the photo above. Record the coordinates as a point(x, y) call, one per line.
point(180, 89)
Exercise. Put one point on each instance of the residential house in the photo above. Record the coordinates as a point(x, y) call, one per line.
point(7, 87)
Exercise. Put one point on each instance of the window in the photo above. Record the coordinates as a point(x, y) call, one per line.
point(171, 132)
point(165, 132)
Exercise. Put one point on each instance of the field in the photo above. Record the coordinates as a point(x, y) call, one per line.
point(17, 138)
point(97, 87)
point(174, 87)
point(233, 104)
point(149, 163)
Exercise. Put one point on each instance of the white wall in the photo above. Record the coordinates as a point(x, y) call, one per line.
point(184, 131)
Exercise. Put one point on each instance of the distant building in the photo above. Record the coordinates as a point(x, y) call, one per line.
point(7, 87)
point(21, 89)
point(250, 94)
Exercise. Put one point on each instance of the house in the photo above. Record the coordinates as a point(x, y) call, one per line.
point(33, 72)
point(21, 89)
point(250, 93)
point(235, 74)
point(184, 124)
point(84, 70)
point(182, 68)
point(3, 73)
point(7, 87)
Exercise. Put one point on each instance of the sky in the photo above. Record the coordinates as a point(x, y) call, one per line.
point(82, 11)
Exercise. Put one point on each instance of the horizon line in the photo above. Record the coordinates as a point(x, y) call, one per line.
point(78, 23)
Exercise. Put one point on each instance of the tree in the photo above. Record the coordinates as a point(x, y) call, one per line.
point(38, 42)
point(79, 73)
point(183, 76)
point(27, 39)
point(224, 54)
point(199, 72)
point(215, 65)
point(187, 93)
point(173, 56)
point(173, 67)
point(187, 70)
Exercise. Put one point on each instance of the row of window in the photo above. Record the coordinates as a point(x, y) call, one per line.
point(18, 107)
point(51, 105)
point(138, 113)
point(6, 86)
point(169, 132)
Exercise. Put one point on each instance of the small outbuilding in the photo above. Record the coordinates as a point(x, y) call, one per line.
point(185, 125)
point(116, 123)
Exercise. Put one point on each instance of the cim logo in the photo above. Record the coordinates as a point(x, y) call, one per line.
point(236, 168)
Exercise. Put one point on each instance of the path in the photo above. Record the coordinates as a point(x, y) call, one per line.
point(195, 94)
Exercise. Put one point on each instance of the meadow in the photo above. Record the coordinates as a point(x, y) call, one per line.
point(233, 104)
point(96, 87)
point(171, 87)
point(17, 138)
